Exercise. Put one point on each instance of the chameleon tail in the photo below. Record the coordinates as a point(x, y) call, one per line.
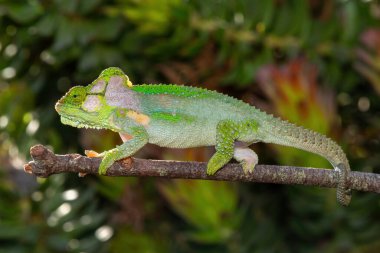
point(287, 134)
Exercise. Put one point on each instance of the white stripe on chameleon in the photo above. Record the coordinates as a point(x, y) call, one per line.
point(92, 103)
point(117, 94)
point(98, 86)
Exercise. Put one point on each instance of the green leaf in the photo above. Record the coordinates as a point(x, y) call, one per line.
point(67, 6)
point(65, 35)
point(188, 198)
point(108, 29)
point(86, 6)
point(26, 12)
point(47, 24)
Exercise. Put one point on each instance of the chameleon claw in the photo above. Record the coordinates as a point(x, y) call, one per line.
point(102, 169)
point(211, 170)
point(91, 153)
point(248, 167)
point(103, 165)
point(216, 162)
point(109, 157)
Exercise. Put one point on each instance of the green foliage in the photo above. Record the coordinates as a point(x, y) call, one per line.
point(53, 219)
point(128, 239)
point(213, 225)
point(48, 46)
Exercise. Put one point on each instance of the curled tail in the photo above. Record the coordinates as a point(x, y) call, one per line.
point(287, 134)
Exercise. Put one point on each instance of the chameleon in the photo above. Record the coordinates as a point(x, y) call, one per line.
point(178, 116)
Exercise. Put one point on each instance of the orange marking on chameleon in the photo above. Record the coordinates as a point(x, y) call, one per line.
point(125, 136)
point(139, 117)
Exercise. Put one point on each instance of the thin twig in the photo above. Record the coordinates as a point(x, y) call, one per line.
point(46, 163)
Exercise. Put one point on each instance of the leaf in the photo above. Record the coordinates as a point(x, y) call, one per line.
point(25, 12)
point(351, 21)
point(146, 242)
point(67, 6)
point(188, 198)
point(108, 29)
point(47, 24)
point(86, 6)
point(65, 35)
point(151, 16)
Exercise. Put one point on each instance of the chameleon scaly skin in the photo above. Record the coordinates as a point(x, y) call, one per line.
point(181, 116)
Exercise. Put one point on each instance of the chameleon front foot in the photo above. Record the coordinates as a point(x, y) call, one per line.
point(109, 158)
point(106, 161)
point(125, 150)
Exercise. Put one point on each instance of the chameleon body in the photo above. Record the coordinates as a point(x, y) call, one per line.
point(181, 117)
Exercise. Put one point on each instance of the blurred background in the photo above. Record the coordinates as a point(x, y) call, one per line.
point(315, 63)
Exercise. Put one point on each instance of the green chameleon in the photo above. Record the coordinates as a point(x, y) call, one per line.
point(181, 117)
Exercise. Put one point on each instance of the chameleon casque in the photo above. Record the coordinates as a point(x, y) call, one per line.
point(177, 116)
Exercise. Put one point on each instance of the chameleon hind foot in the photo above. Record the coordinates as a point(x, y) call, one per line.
point(227, 133)
point(247, 158)
point(216, 162)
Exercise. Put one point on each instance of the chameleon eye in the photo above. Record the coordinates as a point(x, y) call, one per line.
point(76, 95)
point(77, 98)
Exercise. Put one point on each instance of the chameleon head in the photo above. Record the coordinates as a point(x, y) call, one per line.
point(77, 108)
point(90, 106)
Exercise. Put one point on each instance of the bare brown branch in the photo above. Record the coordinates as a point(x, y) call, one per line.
point(46, 163)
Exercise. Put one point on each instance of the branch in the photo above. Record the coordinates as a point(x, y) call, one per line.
point(46, 163)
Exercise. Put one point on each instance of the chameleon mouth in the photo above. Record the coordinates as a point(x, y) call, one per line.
point(75, 123)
